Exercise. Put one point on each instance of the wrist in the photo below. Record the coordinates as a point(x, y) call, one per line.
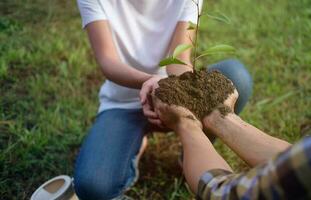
point(153, 76)
point(147, 77)
point(189, 133)
point(142, 78)
point(216, 122)
point(179, 69)
point(187, 125)
point(210, 121)
point(158, 76)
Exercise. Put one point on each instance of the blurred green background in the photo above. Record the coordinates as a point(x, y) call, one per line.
point(49, 83)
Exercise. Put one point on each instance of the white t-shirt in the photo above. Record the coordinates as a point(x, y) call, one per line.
point(142, 31)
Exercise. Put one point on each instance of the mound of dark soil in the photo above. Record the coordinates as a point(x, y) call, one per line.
point(201, 92)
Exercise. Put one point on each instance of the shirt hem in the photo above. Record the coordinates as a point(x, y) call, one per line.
point(114, 105)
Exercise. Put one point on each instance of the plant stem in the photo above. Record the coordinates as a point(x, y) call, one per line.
point(196, 34)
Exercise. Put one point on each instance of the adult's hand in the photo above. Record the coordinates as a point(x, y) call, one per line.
point(146, 100)
point(175, 117)
point(231, 100)
point(208, 121)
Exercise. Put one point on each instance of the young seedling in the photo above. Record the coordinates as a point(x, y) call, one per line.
point(200, 91)
point(217, 49)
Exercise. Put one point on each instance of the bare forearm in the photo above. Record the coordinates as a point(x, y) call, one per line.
point(107, 57)
point(123, 74)
point(181, 36)
point(199, 155)
point(251, 144)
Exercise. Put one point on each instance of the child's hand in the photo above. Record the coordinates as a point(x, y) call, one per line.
point(145, 97)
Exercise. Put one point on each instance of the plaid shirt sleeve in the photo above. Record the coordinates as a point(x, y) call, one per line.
point(287, 176)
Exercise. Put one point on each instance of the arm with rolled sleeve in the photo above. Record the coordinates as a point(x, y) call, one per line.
point(286, 176)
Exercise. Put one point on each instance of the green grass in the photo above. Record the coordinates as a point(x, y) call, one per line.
point(49, 83)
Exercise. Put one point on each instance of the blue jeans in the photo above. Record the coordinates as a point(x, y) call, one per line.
point(106, 165)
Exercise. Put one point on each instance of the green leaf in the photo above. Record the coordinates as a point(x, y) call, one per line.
point(181, 48)
point(171, 60)
point(221, 48)
point(192, 26)
point(221, 17)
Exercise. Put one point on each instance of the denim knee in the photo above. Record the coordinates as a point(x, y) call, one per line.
point(96, 188)
point(239, 75)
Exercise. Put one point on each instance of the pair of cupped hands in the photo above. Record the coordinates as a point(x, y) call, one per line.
point(170, 116)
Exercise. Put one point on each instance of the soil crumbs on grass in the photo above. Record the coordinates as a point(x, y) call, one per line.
point(201, 92)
